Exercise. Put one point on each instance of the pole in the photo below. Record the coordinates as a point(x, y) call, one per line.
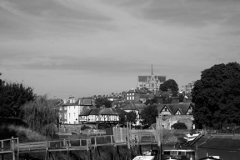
point(13, 148)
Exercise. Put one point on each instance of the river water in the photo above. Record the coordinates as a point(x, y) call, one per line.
point(224, 154)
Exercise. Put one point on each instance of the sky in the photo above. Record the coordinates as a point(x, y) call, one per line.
point(93, 47)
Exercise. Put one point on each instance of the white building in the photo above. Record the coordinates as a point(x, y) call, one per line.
point(71, 108)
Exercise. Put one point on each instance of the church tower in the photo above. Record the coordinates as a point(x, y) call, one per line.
point(151, 82)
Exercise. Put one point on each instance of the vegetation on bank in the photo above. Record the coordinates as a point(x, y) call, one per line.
point(216, 96)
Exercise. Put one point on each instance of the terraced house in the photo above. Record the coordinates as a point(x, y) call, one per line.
point(174, 113)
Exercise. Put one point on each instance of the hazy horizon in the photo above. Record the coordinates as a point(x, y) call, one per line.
point(84, 48)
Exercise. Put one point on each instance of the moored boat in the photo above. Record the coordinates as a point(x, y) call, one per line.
point(178, 154)
point(188, 135)
point(211, 158)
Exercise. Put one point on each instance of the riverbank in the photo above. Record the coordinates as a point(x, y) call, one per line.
point(221, 142)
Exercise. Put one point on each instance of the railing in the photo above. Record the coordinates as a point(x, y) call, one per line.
point(131, 138)
point(53, 145)
point(8, 145)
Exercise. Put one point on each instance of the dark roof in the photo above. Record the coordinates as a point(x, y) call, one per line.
point(173, 108)
point(85, 112)
point(134, 106)
point(120, 111)
point(86, 102)
point(165, 94)
point(107, 111)
point(99, 111)
point(144, 78)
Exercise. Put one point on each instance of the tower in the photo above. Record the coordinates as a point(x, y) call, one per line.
point(151, 82)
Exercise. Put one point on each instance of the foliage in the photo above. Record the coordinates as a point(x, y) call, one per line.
point(217, 95)
point(181, 97)
point(103, 102)
point(122, 119)
point(169, 84)
point(12, 97)
point(151, 101)
point(132, 117)
point(41, 115)
point(179, 126)
point(85, 127)
point(149, 114)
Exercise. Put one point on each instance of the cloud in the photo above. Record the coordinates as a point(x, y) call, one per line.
point(116, 38)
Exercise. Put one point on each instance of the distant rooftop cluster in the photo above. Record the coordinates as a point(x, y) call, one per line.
point(86, 110)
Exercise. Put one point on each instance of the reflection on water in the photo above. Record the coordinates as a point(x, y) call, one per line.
point(224, 154)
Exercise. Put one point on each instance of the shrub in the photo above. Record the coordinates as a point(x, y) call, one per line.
point(85, 127)
point(179, 126)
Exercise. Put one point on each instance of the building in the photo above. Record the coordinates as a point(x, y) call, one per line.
point(135, 107)
point(174, 113)
point(175, 109)
point(132, 96)
point(70, 109)
point(152, 82)
point(99, 115)
point(188, 88)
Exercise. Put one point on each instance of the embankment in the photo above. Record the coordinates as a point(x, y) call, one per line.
point(221, 142)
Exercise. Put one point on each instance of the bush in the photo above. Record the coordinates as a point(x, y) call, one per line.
point(85, 127)
point(179, 126)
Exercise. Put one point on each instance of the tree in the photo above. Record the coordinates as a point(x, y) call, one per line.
point(149, 114)
point(12, 97)
point(41, 115)
point(132, 117)
point(103, 102)
point(169, 84)
point(151, 101)
point(179, 125)
point(217, 95)
point(181, 97)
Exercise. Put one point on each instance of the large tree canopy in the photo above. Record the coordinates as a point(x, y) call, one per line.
point(42, 115)
point(132, 117)
point(149, 114)
point(99, 102)
point(12, 97)
point(217, 95)
point(169, 84)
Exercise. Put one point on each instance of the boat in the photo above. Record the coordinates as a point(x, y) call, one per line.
point(189, 135)
point(148, 155)
point(211, 158)
point(143, 158)
point(189, 139)
point(178, 154)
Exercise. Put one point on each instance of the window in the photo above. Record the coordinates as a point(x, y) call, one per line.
point(65, 115)
point(69, 115)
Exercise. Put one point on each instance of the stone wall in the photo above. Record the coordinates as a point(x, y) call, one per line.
point(168, 121)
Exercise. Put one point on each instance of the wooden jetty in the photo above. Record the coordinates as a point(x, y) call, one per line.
point(121, 137)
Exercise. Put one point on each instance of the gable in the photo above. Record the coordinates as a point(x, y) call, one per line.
point(178, 112)
point(189, 110)
point(165, 111)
